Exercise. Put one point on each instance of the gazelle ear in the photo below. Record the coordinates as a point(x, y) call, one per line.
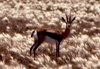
point(63, 19)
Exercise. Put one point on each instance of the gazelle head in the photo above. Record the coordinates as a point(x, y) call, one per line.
point(69, 20)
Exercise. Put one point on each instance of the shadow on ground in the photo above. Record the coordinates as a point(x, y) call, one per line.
point(7, 56)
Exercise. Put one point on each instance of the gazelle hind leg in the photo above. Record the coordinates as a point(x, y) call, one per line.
point(32, 47)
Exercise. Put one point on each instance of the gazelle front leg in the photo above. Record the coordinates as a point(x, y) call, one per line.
point(57, 48)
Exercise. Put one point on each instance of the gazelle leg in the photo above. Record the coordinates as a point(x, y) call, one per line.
point(57, 48)
point(34, 49)
point(35, 43)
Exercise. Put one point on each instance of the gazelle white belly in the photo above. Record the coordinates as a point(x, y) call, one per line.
point(50, 40)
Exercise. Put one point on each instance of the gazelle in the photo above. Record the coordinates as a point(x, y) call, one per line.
point(51, 35)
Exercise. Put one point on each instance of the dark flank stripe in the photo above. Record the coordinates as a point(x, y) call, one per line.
point(55, 36)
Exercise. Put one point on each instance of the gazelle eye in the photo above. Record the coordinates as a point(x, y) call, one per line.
point(68, 25)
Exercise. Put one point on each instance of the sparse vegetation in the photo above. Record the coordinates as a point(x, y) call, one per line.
point(81, 50)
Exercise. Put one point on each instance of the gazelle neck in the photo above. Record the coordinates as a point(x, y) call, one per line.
point(66, 32)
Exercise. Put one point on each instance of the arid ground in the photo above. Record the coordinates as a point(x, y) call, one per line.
point(80, 50)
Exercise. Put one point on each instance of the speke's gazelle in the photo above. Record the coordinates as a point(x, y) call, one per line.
point(51, 35)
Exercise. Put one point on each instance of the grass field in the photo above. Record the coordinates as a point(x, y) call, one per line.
point(18, 18)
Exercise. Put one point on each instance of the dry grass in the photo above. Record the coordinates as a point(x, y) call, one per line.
point(81, 50)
